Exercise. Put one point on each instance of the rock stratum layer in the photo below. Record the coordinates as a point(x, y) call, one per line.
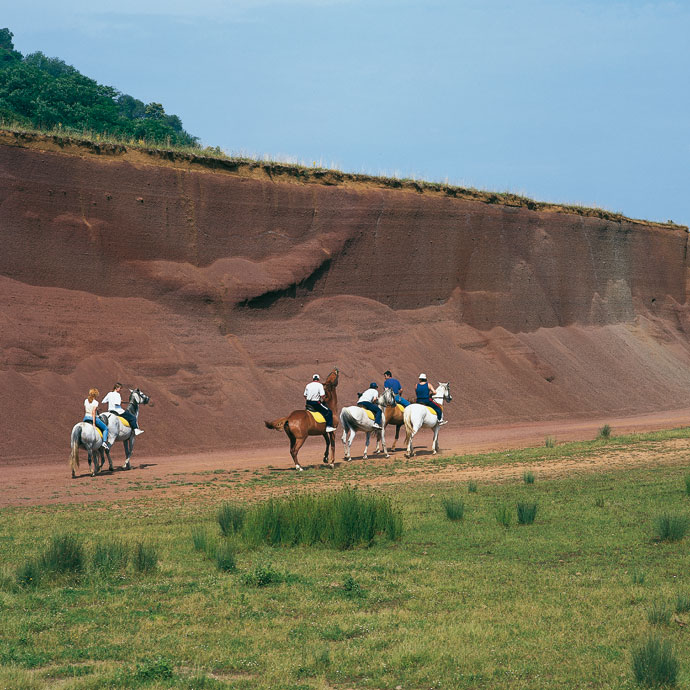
point(219, 292)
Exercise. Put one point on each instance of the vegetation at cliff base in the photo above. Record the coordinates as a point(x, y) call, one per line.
point(46, 93)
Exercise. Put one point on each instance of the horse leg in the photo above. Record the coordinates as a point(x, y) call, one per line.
point(382, 436)
point(127, 443)
point(434, 445)
point(347, 440)
point(332, 439)
point(397, 434)
point(294, 449)
point(110, 462)
point(328, 447)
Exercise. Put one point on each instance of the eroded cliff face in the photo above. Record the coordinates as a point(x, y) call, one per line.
point(220, 293)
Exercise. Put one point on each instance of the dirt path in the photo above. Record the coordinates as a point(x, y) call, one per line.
point(47, 480)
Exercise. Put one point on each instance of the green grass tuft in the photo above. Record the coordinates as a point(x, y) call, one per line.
point(668, 527)
point(145, 557)
point(654, 664)
point(340, 519)
point(682, 603)
point(472, 487)
point(64, 555)
point(526, 512)
point(231, 518)
point(225, 557)
point(550, 442)
point(455, 508)
point(604, 433)
point(503, 515)
point(659, 613)
point(110, 556)
point(528, 477)
point(687, 484)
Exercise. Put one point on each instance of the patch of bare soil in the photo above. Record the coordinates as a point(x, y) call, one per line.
point(221, 475)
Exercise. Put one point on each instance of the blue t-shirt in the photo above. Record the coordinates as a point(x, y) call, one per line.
point(422, 391)
point(393, 384)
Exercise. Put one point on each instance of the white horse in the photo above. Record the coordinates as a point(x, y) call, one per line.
point(417, 416)
point(118, 430)
point(355, 418)
point(86, 435)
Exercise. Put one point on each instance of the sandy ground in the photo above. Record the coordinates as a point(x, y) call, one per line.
point(46, 480)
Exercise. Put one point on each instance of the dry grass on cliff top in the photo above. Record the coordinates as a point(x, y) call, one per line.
point(216, 159)
point(480, 602)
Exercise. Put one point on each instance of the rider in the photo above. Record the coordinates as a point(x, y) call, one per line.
point(424, 391)
point(368, 401)
point(114, 402)
point(90, 407)
point(314, 393)
point(396, 387)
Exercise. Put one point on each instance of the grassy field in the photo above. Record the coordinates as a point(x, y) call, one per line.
point(478, 601)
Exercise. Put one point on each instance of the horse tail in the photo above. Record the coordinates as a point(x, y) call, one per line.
point(277, 424)
point(74, 454)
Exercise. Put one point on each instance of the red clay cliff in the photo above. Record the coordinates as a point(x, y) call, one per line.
point(219, 290)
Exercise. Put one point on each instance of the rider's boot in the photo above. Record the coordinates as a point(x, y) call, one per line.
point(138, 431)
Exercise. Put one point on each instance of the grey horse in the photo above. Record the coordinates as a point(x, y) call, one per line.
point(86, 435)
point(118, 430)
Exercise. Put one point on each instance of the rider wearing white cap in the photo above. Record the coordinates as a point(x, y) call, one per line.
point(424, 391)
point(314, 393)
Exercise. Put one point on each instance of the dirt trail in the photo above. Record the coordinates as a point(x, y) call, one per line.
point(47, 480)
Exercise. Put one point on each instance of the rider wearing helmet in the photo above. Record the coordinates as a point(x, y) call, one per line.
point(424, 391)
point(314, 393)
point(368, 401)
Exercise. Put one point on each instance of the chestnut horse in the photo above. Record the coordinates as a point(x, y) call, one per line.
point(300, 423)
point(393, 414)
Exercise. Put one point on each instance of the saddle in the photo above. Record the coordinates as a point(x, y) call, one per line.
point(318, 417)
point(432, 410)
point(370, 414)
point(104, 417)
point(401, 407)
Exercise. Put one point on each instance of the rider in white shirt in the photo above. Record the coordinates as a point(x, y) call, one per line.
point(368, 401)
point(114, 402)
point(314, 393)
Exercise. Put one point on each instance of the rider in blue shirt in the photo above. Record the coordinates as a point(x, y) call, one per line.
point(424, 392)
point(396, 387)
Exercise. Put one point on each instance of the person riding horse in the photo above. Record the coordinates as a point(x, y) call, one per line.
point(314, 393)
point(114, 402)
point(396, 387)
point(424, 391)
point(368, 401)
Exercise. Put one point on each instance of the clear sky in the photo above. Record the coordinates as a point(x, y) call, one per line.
point(571, 101)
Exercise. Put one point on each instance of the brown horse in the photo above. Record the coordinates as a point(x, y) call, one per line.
point(300, 423)
point(393, 414)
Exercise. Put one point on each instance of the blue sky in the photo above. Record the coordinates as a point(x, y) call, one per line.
point(565, 101)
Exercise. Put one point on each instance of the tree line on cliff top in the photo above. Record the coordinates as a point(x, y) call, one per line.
point(46, 93)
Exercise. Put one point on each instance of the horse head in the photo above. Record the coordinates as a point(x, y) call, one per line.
point(443, 391)
point(387, 398)
point(332, 379)
point(139, 397)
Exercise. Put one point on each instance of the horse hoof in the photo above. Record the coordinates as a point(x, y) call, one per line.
point(299, 468)
point(365, 457)
point(386, 455)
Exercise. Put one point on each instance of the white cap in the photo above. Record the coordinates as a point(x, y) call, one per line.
point(315, 377)
point(422, 376)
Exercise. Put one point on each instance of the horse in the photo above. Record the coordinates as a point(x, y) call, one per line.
point(119, 431)
point(417, 416)
point(355, 418)
point(301, 423)
point(392, 414)
point(85, 434)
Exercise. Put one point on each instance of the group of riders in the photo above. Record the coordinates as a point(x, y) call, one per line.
point(314, 395)
point(114, 402)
